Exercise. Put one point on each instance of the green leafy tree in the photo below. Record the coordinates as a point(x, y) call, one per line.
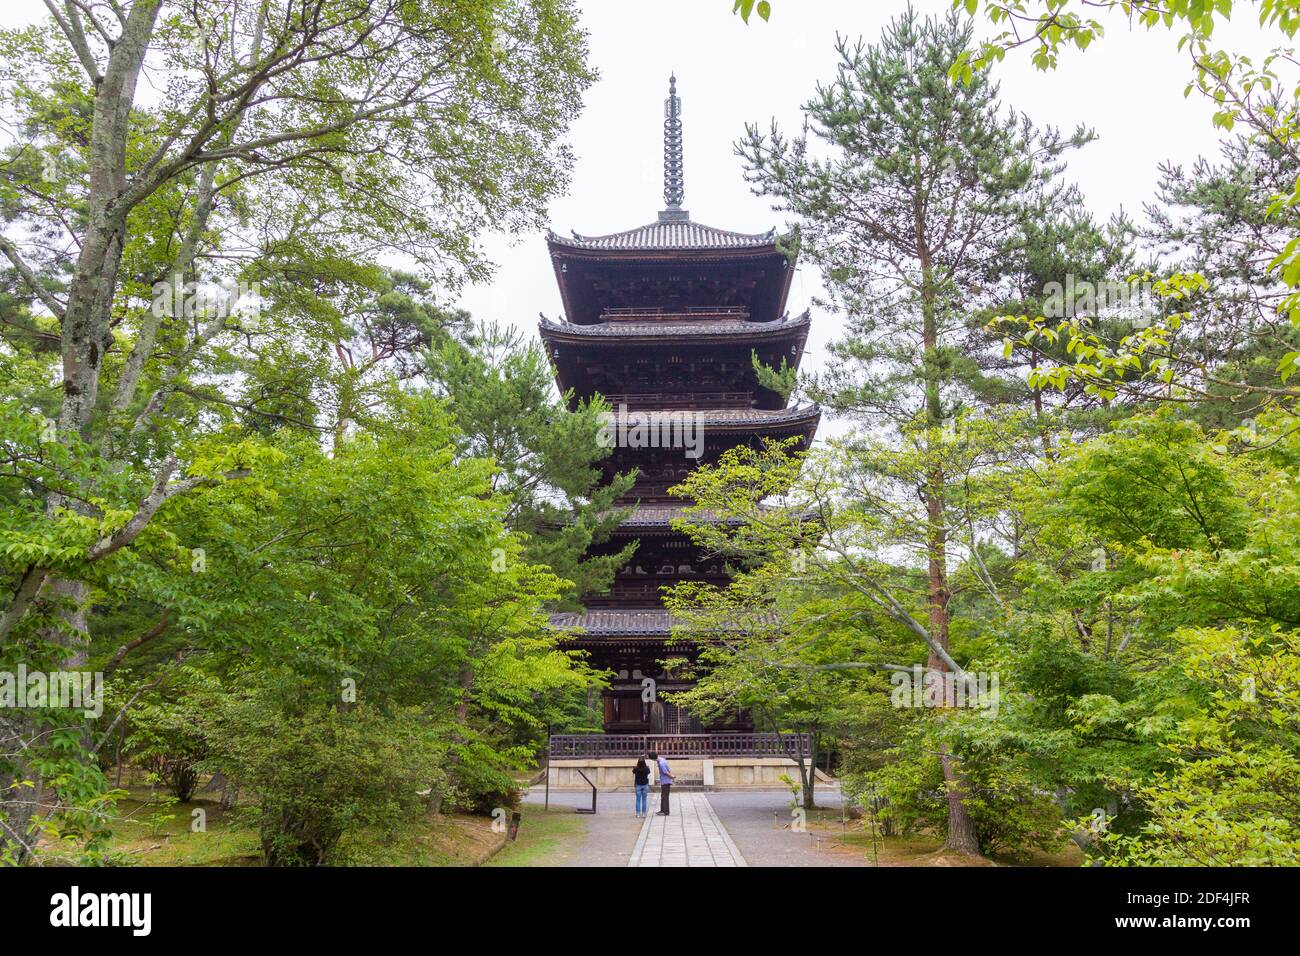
point(829, 525)
point(1219, 220)
point(1142, 547)
point(347, 127)
point(321, 772)
point(772, 646)
point(1232, 206)
point(907, 210)
point(499, 387)
point(165, 736)
point(1228, 796)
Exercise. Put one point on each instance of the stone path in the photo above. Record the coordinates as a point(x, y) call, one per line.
point(720, 828)
point(692, 836)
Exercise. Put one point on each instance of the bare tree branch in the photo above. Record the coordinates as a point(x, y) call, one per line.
point(33, 281)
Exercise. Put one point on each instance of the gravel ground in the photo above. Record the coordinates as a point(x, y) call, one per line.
point(759, 823)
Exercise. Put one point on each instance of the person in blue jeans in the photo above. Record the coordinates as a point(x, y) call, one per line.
point(641, 774)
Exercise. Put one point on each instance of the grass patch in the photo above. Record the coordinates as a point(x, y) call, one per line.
point(916, 849)
point(546, 838)
point(454, 839)
point(148, 832)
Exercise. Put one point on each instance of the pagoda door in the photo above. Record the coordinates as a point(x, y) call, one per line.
point(657, 718)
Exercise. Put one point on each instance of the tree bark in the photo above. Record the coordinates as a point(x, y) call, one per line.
point(18, 802)
point(87, 334)
point(808, 769)
point(961, 828)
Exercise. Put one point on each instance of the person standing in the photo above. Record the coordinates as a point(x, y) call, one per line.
point(641, 774)
point(665, 782)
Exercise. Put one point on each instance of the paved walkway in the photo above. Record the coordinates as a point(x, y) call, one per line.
point(692, 836)
point(720, 828)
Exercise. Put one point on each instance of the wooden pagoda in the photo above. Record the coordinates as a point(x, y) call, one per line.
point(662, 320)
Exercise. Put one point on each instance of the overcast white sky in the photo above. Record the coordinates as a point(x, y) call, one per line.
point(1129, 88)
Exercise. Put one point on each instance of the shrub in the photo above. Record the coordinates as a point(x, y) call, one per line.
point(165, 736)
point(320, 771)
point(483, 781)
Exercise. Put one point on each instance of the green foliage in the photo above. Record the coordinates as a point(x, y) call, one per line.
point(1228, 796)
point(1236, 233)
point(312, 531)
point(888, 136)
point(1150, 587)
point(783, 381)
point(382, 567)
point(907, 786)
point(321, 771)
point(1143, 723)
point(236, 479)
point(60, 767)
point(1011, 813)
point(485, 778)
point(166, 737)
point(748, 7)
point(1153, 480)
point(547, 453)
point(1135, 588)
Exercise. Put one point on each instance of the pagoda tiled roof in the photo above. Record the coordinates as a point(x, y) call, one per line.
point(618, 623)
point(668, 234)
point(740, 417)
point(661, 516)
point(684, 328)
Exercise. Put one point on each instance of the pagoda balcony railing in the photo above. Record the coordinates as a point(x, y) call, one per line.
point(641, 313)
point(645, 401)
point(622, 591)
point(602, 746)
point(651, 493)
point(626, 592)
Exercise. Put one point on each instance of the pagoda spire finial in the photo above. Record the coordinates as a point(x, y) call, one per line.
point(674, 184)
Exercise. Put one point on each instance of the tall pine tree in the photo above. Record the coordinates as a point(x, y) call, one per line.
point(1220, 220)
point(908, 192)
point(499, 388)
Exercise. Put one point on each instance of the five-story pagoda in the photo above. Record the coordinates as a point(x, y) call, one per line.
point(663, 321)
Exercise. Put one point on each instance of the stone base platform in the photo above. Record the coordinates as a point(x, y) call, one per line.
point(708, 773)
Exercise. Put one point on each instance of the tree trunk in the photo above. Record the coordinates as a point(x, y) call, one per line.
point(462, 715)
point(962, 836)
point(961, 828)
point(18, 803)
point(21, 733)
point(87, 334)
point(807, 770)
